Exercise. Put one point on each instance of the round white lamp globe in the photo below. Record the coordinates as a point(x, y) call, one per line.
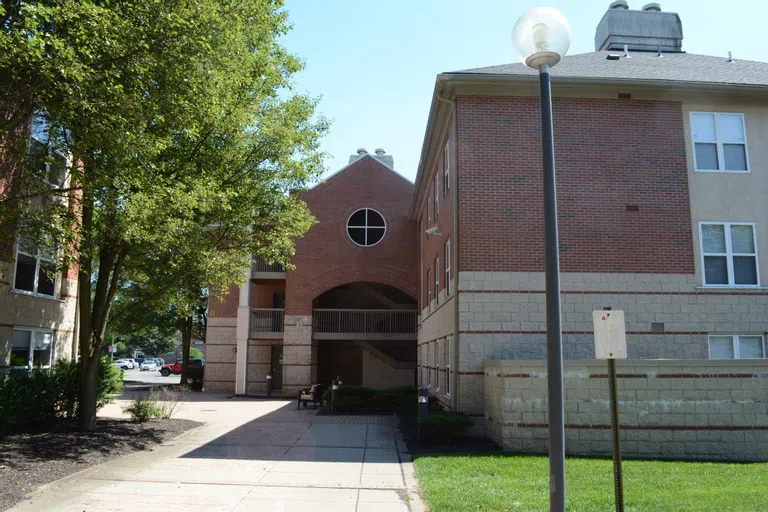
point(541, 37)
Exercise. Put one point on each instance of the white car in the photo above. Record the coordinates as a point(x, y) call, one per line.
point(125, 364)
point(149, 364)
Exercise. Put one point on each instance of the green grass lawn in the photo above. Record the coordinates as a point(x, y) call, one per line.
point(519, 483)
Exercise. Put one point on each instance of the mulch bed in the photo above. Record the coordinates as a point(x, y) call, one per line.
point(29, 460)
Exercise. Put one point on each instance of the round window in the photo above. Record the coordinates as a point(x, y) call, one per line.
point(366, 227)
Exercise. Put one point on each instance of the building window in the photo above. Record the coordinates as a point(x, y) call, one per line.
point(446, 170)
point(47, 162)
point(447, 258)
point(429, 288)
point(437, 281)
point(729, 254)
point(366, 227)
point(435, 355)
point(31, 348)
point(429, 370)
point(736, 347)
point(719, 142)
point(35, 269)
point(448, 349)
point(436, 186)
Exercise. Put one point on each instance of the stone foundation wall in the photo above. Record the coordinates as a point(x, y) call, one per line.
point(220, 354)
point(299, 354)
point(669, 409)
point(259, 359)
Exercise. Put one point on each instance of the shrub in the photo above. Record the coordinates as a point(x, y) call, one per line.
point(347, 403)
point(195, 353)
point(37, 399)
point(144, 408)
point(169, 398)
point(443, 427)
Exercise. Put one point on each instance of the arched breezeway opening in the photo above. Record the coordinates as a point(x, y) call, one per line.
point(365, 333)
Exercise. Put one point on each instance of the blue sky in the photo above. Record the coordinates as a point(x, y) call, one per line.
point(374, 62)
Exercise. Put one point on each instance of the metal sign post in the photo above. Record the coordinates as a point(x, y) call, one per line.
point(610, 344)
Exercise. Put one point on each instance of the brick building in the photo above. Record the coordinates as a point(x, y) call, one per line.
point(37, 307)
point(662, 179)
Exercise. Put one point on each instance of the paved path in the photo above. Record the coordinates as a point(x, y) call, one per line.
point(257, 455)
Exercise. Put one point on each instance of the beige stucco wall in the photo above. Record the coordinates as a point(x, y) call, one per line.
point(379, 375)
point(732, 196)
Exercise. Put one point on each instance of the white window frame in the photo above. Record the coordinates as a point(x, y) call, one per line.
point(366, 227)
point(447, 258)
point(446, 169)
point(30, 350)
point(429, 369)
point(436, 186)
point(719, 143)
point(437, 280)
point(736, 344)
point(437, 365)
point(729, 254)
point(38, 258)
point(429, 289)
point(448, 353)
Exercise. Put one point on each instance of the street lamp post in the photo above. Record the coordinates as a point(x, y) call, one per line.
point(541, 38)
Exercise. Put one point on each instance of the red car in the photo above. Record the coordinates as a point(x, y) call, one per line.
point(175, 368)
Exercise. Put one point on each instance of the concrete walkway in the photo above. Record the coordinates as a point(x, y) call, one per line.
point(259, 455)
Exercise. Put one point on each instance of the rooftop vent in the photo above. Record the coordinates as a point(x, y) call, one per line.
point(649, 29)
point(381, 156)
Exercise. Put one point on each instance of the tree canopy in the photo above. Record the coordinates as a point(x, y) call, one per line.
point(185, 142)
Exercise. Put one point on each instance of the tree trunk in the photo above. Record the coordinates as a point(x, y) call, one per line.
point(185, 326)
point(86, 415)
point(89, 390)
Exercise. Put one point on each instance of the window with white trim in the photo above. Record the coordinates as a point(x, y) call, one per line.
point(429, 288)
point(447, 258)
point(429, 370)
point(437, 281)
point(435, 363)
point(446, 170)
point(436, 187)
point(749, 346)
point(366, 227)
point(719, 142)
point(421, 365)
point(31, 348)
point(35, 269)
point(729, 254)
point(448, 351)
point(48, 162)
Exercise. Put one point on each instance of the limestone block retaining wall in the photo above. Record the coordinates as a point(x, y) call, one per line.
point(220, 354)
point(698, 409)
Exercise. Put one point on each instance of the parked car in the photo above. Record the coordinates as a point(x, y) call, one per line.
point(125, 364)
point(195, 372)
point(175, 368)
point(120, 366)
point(134, 363)
point(160, 362)
point(140, 360)
point(149, 365)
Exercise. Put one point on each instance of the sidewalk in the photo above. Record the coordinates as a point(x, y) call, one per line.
point(259, 455)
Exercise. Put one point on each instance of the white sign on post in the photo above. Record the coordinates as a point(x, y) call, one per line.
point(610, 334)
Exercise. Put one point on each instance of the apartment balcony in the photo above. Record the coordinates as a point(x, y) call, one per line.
point(267, 323)
point(364, 324)
point(263, 270)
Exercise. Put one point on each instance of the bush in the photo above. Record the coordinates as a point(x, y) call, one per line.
point(144, 408)
point(195, 353)
point(37, 399)
point(348, 404)
point(443, 427)
point(169, 398)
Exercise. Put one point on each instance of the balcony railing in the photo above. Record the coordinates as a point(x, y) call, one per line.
point(365, 323)
point(262, 269)
point(269, 321)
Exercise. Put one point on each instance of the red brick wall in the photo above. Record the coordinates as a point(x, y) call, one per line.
point(609, 154)
point(433, 246)
point(227, 306)
point(262, 293)
point(326, 257)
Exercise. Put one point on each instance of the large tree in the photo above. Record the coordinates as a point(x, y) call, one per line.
point(184, 135)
